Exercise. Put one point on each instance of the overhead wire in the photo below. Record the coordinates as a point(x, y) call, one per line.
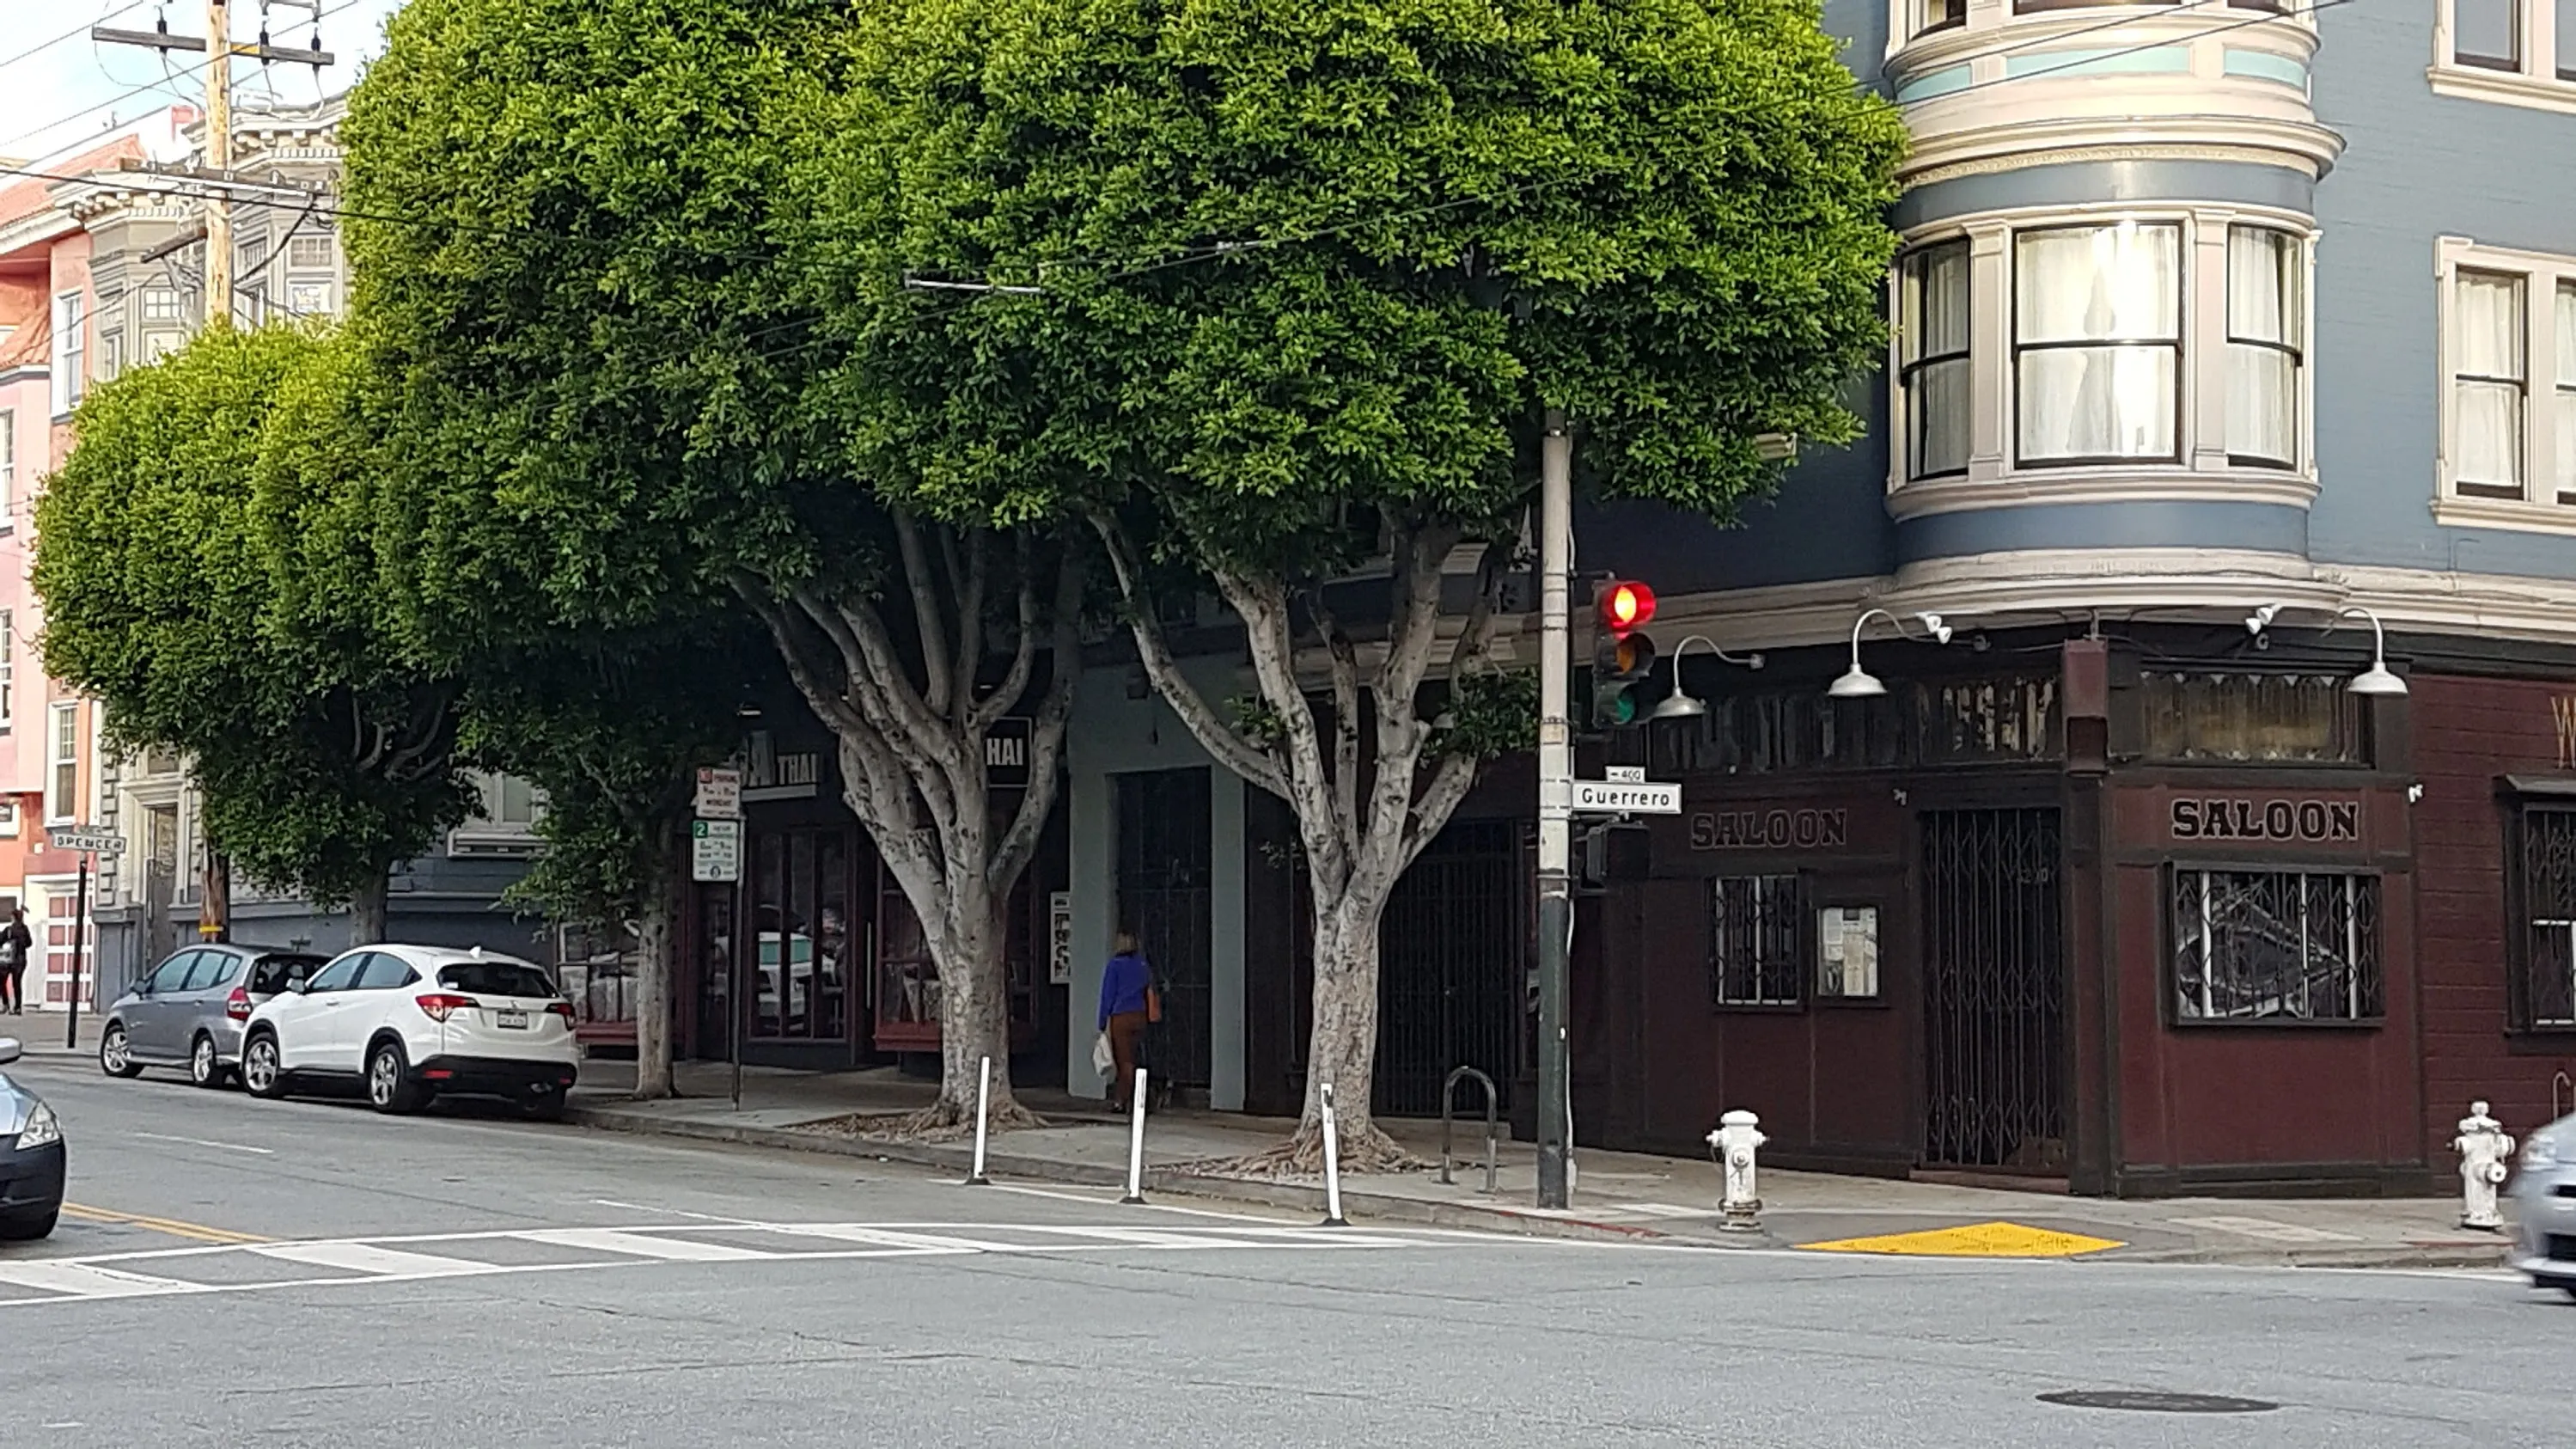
point(172, 75)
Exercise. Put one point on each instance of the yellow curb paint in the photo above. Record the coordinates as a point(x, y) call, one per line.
point(1973, 1240)
point(194, 1232)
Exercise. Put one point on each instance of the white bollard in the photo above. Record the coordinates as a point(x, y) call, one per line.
point(2485, 1149)
point(983, 1106)
point(1136, 1145)
point(1733, 1144)
point(1332, 1165)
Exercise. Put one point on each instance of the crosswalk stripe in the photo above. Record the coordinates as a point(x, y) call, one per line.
point(83, 1281)
point(363, 1258)
point(918, 1242)
point(1142, 1237)
point(637, 1245)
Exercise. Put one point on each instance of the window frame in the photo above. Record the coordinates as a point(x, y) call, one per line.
point(2184, 425)
point(2455, 374)
point(1820, 902)
point(1793, 973)
point(2296, 349)
point(8, 469)
point(2518, 26)
point(1910, 270)
point(2544, 503)
point(58, 810)
point(2541, 73)
point(2374, 989)
point(2521, 915)
point(69, 356)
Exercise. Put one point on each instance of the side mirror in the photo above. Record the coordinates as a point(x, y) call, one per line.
point(10, 1050)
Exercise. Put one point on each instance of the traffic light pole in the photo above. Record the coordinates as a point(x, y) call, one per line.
point(1555, 807)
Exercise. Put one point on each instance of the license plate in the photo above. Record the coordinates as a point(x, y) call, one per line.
point(516, 1020)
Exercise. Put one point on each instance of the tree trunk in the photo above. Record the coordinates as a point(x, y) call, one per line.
point(367, 913)
point(656, 956)
point(974, 1005)
point(215, 899)
point(1342, 1047)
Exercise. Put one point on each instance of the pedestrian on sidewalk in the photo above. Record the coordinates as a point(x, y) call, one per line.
point(1124, 991)
point(15, 942)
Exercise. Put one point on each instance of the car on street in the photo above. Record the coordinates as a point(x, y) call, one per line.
point(31, 1162)
point(189, 1010)
point(2544, 1194)
point(408, 1023)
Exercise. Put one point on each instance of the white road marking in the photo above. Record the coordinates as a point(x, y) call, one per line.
point(2267, 1228)
point(888, 1238)
point(370, 1259)
point(1145, 1237)
point(638, 1245)
point(205, 1142)
point(83, 1280)
point(634, 1207)
point(1660, 1210)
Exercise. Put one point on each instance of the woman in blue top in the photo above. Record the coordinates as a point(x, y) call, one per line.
point(1122, 1015)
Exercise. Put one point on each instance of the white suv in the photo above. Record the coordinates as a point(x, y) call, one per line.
point(412, 1022)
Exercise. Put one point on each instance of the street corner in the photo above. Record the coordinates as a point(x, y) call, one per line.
point(1989, 1239)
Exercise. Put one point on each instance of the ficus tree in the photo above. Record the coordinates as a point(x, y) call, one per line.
point(323, 753)
point(579, 266)
point(1283, 294)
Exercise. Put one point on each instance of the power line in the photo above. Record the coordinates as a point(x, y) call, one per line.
point(169, 77)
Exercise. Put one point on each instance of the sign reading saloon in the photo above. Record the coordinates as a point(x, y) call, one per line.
point(1769, 830)
point(2245, 817)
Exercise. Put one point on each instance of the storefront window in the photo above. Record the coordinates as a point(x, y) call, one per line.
point(907, 979)
point(2545, 993)
point(800, 921)
point(2253, 718)
point(1753, 926)
point(2275, 946)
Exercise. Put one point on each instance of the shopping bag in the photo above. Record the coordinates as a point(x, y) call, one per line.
point(1103, 1060)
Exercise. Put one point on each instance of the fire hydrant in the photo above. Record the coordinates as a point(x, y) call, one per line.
point(2485, 1148)
point(1732, 1144)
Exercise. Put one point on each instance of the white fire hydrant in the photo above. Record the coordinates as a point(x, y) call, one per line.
point(1733, 1143)
point(2485, 1148)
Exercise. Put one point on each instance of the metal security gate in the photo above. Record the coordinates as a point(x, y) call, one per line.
point(1450, 963)
point(1163, 858)
point(1994, 993)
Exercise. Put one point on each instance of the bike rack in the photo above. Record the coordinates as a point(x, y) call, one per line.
point(1448, 1120)
point(2558, 1084)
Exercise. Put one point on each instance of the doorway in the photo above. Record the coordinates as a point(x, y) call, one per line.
point(1450, 951)
point(1994, 993)
point(1163, 883)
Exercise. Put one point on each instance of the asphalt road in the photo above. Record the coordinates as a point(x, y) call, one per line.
point(241, 1273)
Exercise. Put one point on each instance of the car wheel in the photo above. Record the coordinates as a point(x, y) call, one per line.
point(261, 1074)
point(204, 1068)
point(27, 1230)
point(116, 1052)
point(548, 1108)
point(389, 1084)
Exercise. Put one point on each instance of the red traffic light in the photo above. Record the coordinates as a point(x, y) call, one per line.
point(1625, 606)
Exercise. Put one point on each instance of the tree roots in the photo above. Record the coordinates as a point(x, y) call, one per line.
point(938, 1122)
point(1364, 1149)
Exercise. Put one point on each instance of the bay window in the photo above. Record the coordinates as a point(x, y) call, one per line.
point(71, 352)
point(2565, 409)
point(2097, 343)
point(1934, 369)
point(2487, 33)
point(2487, 377)
point(2266, 318)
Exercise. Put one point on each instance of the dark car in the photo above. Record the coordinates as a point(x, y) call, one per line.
point(31, 1158)
point(188, 1012)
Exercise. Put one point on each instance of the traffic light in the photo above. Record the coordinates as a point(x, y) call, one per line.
point(1621, 654)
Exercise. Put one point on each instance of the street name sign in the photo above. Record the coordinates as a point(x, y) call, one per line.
point(1621, 797)
point(86, 838)
point(719, 794)
point(715, 850)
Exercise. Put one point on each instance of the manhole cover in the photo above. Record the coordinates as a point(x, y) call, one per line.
point(2143, 1402)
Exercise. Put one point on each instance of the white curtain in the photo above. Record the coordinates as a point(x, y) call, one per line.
point(2567, 346)
point(1936, 326)
point(2487, 367)
point(2120, 286)
point(2263, 306)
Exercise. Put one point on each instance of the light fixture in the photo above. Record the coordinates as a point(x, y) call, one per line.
point(2376, 681)
point(1859, 683)
point(1681, 703)
point(2261, 618)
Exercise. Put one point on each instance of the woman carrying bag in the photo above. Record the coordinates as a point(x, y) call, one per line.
point(1128, 1001)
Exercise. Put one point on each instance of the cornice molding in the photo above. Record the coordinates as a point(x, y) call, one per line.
point(1947, 155)
point(2102, 486)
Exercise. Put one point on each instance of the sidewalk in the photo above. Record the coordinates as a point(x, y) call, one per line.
point(1618, 1196)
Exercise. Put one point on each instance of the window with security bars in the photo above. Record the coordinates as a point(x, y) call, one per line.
point(2253, 945)
point(1753, 941)
point(2545, 991)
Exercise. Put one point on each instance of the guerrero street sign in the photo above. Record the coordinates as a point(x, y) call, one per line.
point(715, 850)
point(86, 838)
point(1622, 797)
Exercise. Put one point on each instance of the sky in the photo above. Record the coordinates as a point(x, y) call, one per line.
point(58, 87)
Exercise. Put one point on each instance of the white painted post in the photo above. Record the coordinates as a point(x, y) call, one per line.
point(983, 1105)
point(1136, 1144)
point(1332, 1165)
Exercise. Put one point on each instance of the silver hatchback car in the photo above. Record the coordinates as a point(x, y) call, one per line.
point(2544, 1194)
point(189, 1011)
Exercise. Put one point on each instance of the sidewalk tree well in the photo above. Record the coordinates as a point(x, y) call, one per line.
point(1303, 282)
point(174, 598)
point(574, 234)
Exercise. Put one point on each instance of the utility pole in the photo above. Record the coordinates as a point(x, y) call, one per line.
point(1555, 807)
point(219, 157)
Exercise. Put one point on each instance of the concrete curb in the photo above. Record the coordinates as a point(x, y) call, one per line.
point(1375, 1207)
point(1389, 1208)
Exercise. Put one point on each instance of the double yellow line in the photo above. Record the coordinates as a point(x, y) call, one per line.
point(194, 1232)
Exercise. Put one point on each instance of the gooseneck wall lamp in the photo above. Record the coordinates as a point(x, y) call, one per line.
point(2375, 682)
point(1681, 703)
point(1859, 683)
